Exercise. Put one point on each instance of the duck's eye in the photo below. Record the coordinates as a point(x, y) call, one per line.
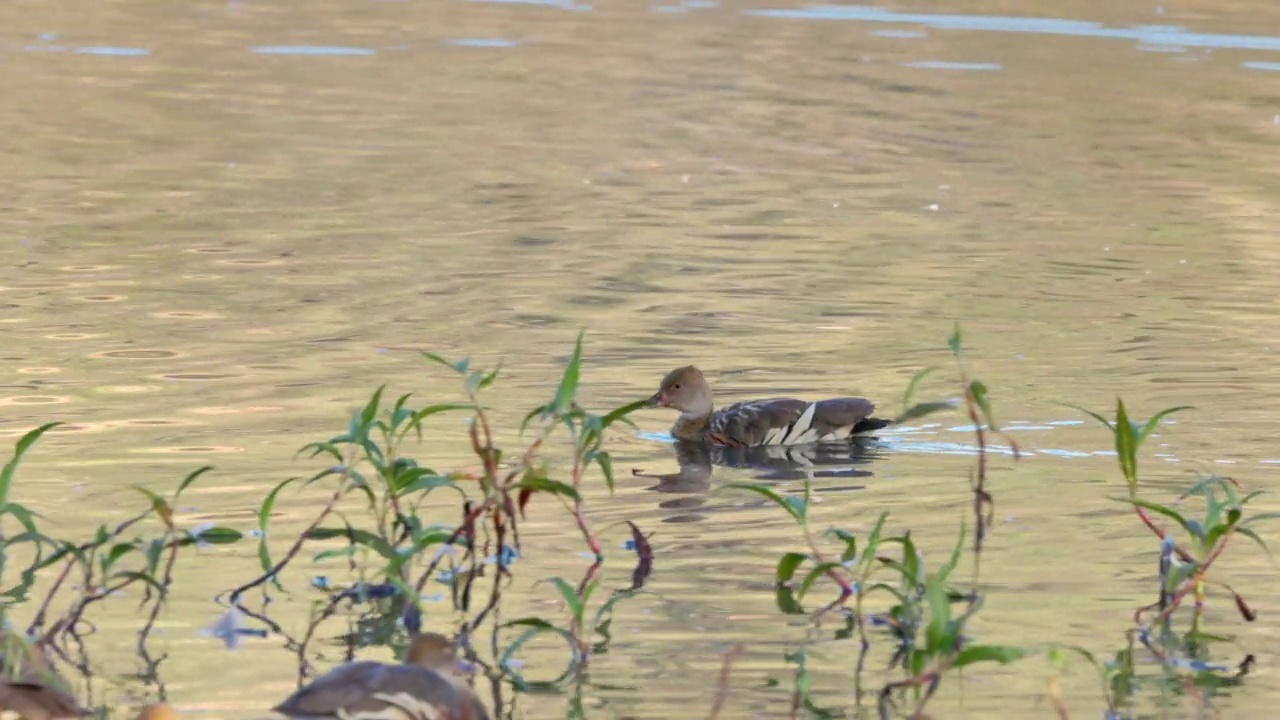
point(676, 386)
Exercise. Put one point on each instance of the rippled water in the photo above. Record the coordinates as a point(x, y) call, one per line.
point(225, 223)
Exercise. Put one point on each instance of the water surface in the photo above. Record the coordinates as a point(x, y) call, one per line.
point(227, 222)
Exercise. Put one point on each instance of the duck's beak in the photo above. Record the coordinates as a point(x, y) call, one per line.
point(658, 400)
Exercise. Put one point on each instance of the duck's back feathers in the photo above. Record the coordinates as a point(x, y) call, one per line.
point(39, 702)
point(788, 421)
point(29, 684)
point(367, 689)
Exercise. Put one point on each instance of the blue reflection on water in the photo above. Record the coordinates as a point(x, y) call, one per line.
point(310, 50)
point(1153, 34)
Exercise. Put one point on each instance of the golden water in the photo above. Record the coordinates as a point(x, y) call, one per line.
point(211, 255)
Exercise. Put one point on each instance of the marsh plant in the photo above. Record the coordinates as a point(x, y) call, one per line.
point(379, 533)
point(883, 582)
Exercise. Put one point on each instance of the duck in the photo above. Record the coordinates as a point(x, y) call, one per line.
point(424, 687)
point(158, 711)
point(757, 423)
point(30, 686)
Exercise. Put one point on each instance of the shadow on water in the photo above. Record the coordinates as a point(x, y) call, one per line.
point(770, 464)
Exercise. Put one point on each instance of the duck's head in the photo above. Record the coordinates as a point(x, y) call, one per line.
point(684, 389)
point(437, 652)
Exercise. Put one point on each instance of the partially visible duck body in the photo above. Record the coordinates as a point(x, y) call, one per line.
point(754, 423)
point(30, 686)
point(424, 687)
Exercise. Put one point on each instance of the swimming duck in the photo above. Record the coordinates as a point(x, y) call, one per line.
point(425, 687)
point(30, 686)
point(753, 423)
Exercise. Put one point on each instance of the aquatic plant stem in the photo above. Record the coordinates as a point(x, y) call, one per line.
point(163, 592)
point(338, 493)
point(38, 621)
point(722, 685)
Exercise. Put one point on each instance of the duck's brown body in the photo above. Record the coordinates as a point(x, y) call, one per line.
point(754, 423)
point(29, 684)
point(424, 688)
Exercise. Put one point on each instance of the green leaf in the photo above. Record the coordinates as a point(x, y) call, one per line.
point(219, 536)
point(341, 552)
point(490, 376)
point(1220, 529)
point(19, 449)
point(939, 634)
point(375, 543)
point(268, 503)
point(570, 597)
point(459, 367)
point(542, 484)
point(813, 575)
point(1213, 508)
point(786, 601)
point(607, 607)
point(954, 341)
point(1168, 512)
point(885, 587)
point(775, 497)
point(144, 577)
point(1204, 637)
point(621, 413)
point(787, 565)
point(920, 410)
point(914, 385)
point(418, 479)
point(24, 516)
point(117, 551)
point(850, 544)
point(911, 560)
point(569, 381)
point(370, 410)
point(540, 411)
point(153, 551)
point(605, 461)
point(158, 504)
point(190, 478)
point(264, 559)
point(534, 622)
point(1105, 422)
point(978, 391)
point(1202, 484)
point(1155, 420)
point(321, 447)
point(873, 539)
point(1261, 516)
point(428, 411)
point(264, 521)
point(537, 626)
point(1126, 446)
point(1249, 533)
point(1002, 654)
point(1178, 574)
point(945, 571)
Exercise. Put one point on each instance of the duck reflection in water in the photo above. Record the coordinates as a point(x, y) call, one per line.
point(768, 464)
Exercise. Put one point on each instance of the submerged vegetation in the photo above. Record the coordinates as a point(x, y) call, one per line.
point(401, 529)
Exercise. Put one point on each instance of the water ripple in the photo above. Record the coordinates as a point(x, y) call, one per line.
point(1150, 34)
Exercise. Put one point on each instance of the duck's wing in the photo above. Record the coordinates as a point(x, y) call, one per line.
point(367, 687)
point(38, 701)
point(30, 685)
point(788, 421)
